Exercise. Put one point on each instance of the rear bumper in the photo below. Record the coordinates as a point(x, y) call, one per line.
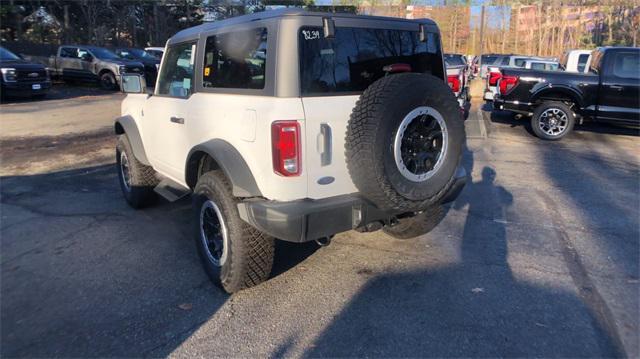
point(307, 220)
point(25, 88)
point(500, 104)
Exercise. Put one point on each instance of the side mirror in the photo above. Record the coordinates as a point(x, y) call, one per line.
point(133, 83)
point(86, 57)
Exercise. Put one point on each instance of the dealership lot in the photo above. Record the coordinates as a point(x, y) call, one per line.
point(539, 256)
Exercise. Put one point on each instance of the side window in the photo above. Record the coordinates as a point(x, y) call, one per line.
point(520, 62)
point(582, 62)
point(537, 65)
point(627, 65)
point(176, 75)
point(82, 53)
point(236, 60)
point(505, 61)
point(70, 52)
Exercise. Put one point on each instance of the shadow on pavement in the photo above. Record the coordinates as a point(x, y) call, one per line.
point(476, 308)
point(509, 118)
point(84, 275)
point(63, 91)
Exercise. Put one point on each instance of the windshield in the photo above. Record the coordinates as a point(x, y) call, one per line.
point(136, 54)
point(103, 54)
point(356, 57)
point(454, 60)
point(7, 55)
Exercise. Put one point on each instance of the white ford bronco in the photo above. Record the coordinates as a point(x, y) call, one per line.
point(294, 125)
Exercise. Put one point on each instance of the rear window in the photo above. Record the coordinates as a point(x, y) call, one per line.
point(582, 62)
point(355, 58)
point(454, 60)
point(520, 62)
point(487, 60)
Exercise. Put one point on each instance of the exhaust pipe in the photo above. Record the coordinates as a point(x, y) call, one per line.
point(324, 241)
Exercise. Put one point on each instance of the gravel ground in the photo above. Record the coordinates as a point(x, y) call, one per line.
point(539, 256)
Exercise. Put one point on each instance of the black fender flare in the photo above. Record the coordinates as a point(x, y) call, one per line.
point(126, 125)
point(229, 160)
point(565, 90)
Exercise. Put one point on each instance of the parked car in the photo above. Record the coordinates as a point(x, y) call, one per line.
point(610, 92)
point(90, 63)
point(295, 155)
point(155, 51)
point(150, 62)
point(575, 60)
point(458, 75)
point(514, 61)
point(22, 78)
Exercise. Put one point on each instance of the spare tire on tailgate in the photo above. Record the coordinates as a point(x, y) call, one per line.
point(404, 141)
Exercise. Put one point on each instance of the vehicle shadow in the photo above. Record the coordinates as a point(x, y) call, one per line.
point(475, 308)
point(511, 119)
point(84, 275)
point(62, 91)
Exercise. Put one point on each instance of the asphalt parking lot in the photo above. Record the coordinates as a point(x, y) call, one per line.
point(539, 256)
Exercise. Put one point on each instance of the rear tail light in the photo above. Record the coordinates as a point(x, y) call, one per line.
point(494, 77)
point(454, 82)
point(285, 147)
point(507, 83)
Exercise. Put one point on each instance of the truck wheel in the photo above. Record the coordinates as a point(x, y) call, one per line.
point(404, 141)
point(417, 225)
point(108, 81)
point(136, 180)
point(552, 120)
point(234, 254)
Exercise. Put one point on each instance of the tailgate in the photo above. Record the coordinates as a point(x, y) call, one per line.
point(326, 119)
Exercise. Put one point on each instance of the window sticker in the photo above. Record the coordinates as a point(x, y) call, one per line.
point(311, 34)
point(186, 83)
point(207, 71)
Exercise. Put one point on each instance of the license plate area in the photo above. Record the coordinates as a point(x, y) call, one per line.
point(36, 87)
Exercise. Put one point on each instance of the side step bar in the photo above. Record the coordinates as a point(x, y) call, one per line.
point(171, 190)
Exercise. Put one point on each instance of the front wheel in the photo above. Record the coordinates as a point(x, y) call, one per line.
point(234, 254)
point(552, 121)
point(136, 179)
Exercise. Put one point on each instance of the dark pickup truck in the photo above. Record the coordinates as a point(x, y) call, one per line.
point(555, 100)
point(20, 77)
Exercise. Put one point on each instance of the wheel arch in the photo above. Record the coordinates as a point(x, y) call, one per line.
point(220, 154)
point(126, 125)
point(557, 93)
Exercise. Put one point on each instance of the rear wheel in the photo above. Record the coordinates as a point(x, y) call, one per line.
point(234, 254)
point(552, 121)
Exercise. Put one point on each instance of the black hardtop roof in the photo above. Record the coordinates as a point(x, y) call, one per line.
point(193, 32)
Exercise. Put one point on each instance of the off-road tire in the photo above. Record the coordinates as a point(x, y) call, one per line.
point(535, 120)
point(143, 178)
point(108, 81)
point(250, 252)
point(370, 137)
point(417, 225)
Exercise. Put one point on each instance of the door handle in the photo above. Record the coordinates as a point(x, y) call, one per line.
point(615, 87)
point(179, 120)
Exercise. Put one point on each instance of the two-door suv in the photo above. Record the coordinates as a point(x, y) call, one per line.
point(294, 125)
